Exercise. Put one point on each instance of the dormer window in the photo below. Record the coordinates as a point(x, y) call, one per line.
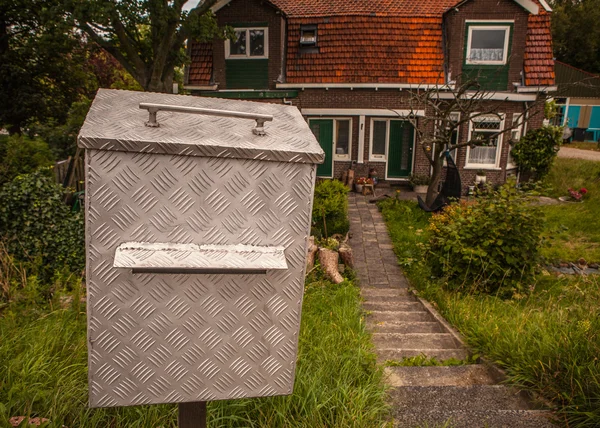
point(308, 36)
point(487, 44)
point(248, 43)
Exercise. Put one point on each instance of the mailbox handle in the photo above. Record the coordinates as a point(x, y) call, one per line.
point(155, 108)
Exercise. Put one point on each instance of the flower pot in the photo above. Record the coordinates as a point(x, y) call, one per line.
point(480, 179)
point(420, 188)
point(359, 188)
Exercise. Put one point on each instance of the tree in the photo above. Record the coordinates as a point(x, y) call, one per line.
point(40, 57)
point(147, 37)
point(576, 33)
point(446, 111)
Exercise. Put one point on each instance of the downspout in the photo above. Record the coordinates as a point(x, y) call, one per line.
point(445, 48)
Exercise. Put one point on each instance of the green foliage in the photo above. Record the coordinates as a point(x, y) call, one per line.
point(550, 109)
point(22, 155)
point(490, 246)
point(39, 229)
point(419, 180)
point(536, 151)
point(425, 361)
point(338, 384)
point(330, 209)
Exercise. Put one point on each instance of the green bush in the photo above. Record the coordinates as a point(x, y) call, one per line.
point(37, 227)
point(536, 151)
point(22, 155)
point(330, 209)
point(488, 246)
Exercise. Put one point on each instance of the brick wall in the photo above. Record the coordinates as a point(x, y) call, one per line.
point(249, 11)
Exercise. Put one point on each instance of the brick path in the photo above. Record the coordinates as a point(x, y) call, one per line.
point(404, 326)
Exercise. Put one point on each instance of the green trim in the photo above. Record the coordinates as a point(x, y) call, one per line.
point(250, 95)
point(247, 73)
point(248, 24)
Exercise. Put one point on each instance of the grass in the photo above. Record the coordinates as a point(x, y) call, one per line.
point(572, 228)
point(548, 342)
point(583, 145)
point(44, 371)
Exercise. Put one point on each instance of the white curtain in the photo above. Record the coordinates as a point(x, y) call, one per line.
point(487, 54)
point(483, 155)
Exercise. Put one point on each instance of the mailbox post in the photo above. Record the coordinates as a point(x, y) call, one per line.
point(198, 212)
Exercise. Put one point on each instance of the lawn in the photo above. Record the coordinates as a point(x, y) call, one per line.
point(584, 145)
point(44, 371)
point(573, 229)
point(548, 341)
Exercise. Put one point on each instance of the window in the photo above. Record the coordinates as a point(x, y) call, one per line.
point(515, 136)
point(487, 45)
point(248, 43)
point(487, 130)
point(343, 139)
point(379, 139)
point(308, 35)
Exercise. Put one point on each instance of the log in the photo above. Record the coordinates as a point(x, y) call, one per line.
point(312, 251)
point(346, 255)
point(329, 264)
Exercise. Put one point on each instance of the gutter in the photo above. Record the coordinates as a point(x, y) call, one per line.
point(375, 86)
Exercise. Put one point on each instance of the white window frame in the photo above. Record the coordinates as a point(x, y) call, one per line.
point(336, 157)
point(489, 166)
point(506, 29)
point(377, 157)
point(228, 54)
point(515, 135)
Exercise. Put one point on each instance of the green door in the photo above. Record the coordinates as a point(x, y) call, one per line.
point(400, 150)
point(323, 130)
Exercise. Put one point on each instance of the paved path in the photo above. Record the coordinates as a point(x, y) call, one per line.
point(568, 152)
point(404, 326)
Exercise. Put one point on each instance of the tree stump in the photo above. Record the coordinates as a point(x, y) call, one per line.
point(312, 251)
point(329, 263)
point(346, 255)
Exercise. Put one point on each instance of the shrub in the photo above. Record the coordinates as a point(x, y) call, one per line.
point(536, 151)
point(488, 246)
point(38, 228)
point(330, 209)
point(22, 155)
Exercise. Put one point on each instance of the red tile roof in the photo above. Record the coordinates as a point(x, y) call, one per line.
point(200, 70)
point(538, 61)
point(361, 49)
point(306, 8)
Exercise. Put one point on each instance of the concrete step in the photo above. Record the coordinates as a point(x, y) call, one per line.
point(400, 316)
point(471, 419)
point(474, 398)
point(389, 300)
point(370, 293)
point(405, 327)
point(384, 355)
point(414, 341)
point(405, 306)
point(472, 374)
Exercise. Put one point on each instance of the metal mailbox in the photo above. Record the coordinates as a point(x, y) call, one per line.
point(198, 213)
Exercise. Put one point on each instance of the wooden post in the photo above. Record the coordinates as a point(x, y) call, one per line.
point(192, 415)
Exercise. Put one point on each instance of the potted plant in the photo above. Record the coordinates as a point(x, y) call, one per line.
point(359, 183)
point(419, 183)
point(480, 177)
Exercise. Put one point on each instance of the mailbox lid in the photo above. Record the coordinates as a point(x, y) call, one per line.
point(115, 122)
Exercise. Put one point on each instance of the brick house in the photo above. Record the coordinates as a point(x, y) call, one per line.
point(349, 66)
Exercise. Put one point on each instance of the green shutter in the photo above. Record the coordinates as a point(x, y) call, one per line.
point(323, 130)
point(400, 149)
point(247, 73)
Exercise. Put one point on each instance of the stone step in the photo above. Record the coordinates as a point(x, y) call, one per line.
point(406, 306)
point(471, 374)
point(474, 398)
point(400, 316)
point(371, 292)
point(414, 341)
point(475, 419)
point(405, 327)
point(389, 300)
point(384, 355)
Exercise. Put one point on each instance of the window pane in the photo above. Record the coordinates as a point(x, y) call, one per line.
point(486, 152)
point(257, 43)
point(238, 45)
point(342, 145)
point(309, 36)
point(379, 137)
point(487, 45)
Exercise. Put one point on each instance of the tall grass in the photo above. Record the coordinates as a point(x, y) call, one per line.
point(44, 372)
point(548, 342)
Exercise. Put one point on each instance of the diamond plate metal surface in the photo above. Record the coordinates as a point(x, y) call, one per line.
point(116, 123)
point(166, 338)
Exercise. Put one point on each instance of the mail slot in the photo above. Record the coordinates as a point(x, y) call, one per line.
point(198, 212)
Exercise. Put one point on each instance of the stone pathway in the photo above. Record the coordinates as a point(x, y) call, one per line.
point(405, 326)
point(568, 152)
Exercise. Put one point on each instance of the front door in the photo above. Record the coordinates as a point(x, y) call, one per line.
point(400, 149)
point(323, 130)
